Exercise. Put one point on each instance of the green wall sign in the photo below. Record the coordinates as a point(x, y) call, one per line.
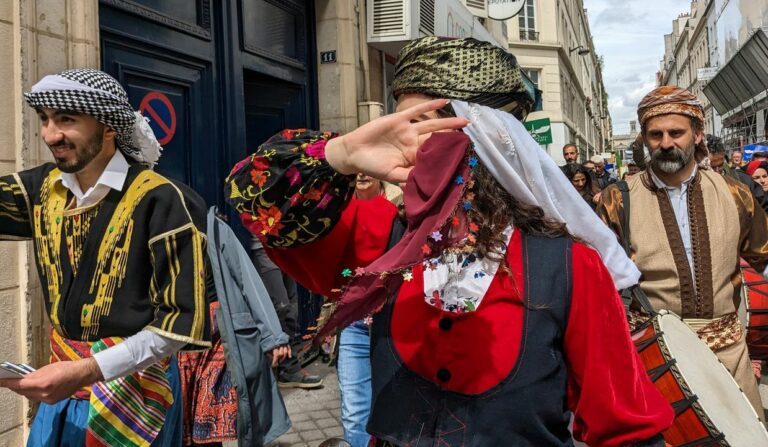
point(540, 130)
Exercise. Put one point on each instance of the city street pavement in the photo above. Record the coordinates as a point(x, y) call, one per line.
point(314, 413)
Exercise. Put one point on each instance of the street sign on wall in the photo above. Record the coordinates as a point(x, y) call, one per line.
point(504, 9)
point(706, 73)
point(540, 130)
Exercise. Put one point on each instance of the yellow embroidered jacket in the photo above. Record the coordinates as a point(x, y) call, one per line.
point(135, 260)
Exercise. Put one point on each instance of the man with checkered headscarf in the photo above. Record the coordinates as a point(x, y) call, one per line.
point(709, 220)
point(120, 252)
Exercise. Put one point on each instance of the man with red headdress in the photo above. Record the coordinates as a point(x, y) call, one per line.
point(709, 221)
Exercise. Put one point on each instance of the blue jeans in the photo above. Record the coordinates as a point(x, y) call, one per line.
point(354, 366)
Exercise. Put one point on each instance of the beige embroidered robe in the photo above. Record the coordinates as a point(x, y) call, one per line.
point(725, 223)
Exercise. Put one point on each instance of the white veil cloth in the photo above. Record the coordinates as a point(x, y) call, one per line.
point(519, 164)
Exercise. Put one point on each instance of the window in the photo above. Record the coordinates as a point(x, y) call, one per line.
point(533, 75)
point(527, 21)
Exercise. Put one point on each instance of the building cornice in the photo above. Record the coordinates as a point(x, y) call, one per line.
point(534, 45)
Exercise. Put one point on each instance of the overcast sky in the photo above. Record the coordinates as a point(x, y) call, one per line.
point(630, 36)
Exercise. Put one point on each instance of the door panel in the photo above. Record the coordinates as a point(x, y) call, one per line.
point(271, 105)
point(174, 96)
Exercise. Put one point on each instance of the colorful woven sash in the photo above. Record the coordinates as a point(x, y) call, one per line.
point(129, 411)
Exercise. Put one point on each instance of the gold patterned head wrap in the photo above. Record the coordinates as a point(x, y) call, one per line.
point(670, 99)
point(465, 69)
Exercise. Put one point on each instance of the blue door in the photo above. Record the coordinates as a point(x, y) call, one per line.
point(213, 78)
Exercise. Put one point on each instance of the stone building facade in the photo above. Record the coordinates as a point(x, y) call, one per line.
point(553, 43)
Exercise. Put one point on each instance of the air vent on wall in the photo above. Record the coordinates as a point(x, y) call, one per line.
point(427, 16)
point(477, 7)
point(388, 17)
point(394, 23)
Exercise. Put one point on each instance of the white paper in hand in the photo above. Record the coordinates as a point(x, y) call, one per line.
point(10, 370)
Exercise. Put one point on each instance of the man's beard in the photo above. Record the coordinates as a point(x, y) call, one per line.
point(673, 160)
point(570, 162)
point(83, 155)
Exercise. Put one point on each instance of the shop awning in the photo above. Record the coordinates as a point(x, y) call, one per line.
point(742, 78)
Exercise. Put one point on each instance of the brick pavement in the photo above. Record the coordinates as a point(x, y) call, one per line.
point(314, 413)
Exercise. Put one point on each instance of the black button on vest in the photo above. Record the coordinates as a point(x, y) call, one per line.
point(443, 375)
point(445, 324)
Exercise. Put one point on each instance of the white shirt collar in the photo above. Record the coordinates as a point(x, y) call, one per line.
point(113, 177)
point(660, 184)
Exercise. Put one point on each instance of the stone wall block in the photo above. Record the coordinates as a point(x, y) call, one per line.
point(7, 101)
point(329, 84)
point(51, 56)
point(11, 411)
point(346, 41)
point(325, 10)
point(10, 403)
point(82, 55)
point(9, 256)
point(9, 328)
point(83, 18)
point(6, 10)
point(12, 438)
point(345, 9)
point(51, 17)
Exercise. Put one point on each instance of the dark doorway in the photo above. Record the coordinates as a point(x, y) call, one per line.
point(271, 105)
point(215, 78)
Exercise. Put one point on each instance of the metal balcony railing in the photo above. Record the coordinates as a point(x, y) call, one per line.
point(529, 34)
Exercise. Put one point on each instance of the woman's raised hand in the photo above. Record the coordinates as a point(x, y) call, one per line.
point(385, 148)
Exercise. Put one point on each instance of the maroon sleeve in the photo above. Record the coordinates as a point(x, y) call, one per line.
point(609, 392)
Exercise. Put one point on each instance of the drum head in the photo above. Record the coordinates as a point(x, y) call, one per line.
point(719, 395)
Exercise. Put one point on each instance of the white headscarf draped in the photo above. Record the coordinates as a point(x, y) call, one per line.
point(519, 164)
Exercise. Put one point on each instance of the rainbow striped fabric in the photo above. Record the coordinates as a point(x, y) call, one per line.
point(129, 411)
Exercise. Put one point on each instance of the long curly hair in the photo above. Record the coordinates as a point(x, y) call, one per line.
point(494, 209)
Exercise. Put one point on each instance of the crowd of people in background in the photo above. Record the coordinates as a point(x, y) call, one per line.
point(591, 177)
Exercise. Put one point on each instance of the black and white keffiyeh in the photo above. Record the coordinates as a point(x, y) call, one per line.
point(95, 93)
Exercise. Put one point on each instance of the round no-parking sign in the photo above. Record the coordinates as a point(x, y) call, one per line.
point(162, 116)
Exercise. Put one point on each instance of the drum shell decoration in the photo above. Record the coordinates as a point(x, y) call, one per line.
point(755, 294)
point(691, 423)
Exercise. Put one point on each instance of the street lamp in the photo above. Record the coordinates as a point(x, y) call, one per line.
point(582, 51)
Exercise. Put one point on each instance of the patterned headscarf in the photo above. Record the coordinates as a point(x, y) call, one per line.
point(95, 93)
point(671, 99)
point(465, 69)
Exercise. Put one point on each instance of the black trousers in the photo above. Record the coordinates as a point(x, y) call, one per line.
point(282, 292)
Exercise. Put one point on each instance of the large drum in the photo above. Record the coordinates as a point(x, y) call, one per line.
point(710, 409)
point(755, 296)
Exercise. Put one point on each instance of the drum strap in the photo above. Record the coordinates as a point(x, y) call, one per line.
point(632, 293)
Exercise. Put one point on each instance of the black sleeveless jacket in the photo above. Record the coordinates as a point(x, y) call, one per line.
point(528, 408)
